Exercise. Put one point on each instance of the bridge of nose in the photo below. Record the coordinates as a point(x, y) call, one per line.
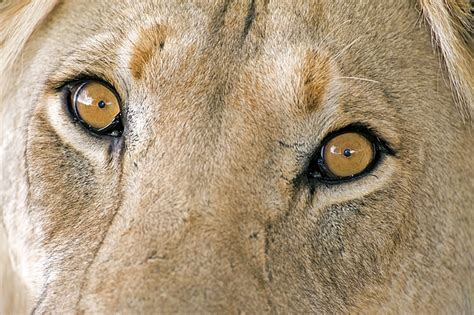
point(215, 126)
point(188, 239)
point(191, 226)
point(198, 193)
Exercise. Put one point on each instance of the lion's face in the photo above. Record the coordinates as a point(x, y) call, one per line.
point(208, 200)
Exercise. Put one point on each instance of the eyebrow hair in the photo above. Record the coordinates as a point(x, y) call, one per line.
point(149, 41)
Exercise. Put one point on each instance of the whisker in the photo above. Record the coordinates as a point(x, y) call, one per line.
point(343, 50)
point(360, 79)
point(325, 39)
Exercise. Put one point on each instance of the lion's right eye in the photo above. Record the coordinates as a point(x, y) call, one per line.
point(347, 154)
point(97, 107)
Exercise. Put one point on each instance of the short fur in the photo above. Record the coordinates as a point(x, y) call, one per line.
point(203, 205)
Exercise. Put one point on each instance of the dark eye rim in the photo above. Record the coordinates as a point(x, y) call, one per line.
point(71, 89)
point(319, 172)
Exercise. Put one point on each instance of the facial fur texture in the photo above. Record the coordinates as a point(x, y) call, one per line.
point(203, 205)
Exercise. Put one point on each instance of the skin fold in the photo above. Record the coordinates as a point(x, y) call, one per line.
point(204, 204)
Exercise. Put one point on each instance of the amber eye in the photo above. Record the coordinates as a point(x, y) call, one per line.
point(346, 155)
point(97, 107)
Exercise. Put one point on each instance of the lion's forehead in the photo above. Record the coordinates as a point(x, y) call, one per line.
point(238, 32)
point(270, 45)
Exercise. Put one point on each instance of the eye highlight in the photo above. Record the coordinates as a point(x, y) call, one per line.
point(347, 154)
point(97, 107)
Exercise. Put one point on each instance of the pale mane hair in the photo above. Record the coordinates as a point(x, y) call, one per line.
point(451, 23)
point(18, 20)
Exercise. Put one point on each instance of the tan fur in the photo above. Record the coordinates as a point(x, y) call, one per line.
point(146, 45)
point(203, 206)
point(316, 79)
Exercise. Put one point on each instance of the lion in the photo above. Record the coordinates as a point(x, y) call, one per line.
point(239, 157)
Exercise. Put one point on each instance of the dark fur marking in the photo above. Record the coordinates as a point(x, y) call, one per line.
point(249, 19)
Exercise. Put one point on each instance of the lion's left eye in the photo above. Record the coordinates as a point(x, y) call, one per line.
point(346, 155)
point(97, 107)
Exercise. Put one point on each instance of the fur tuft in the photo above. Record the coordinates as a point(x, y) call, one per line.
point(451, 23)
point(18, 20)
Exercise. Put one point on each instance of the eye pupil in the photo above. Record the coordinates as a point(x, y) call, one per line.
point(101, 104)
point(347, 152)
